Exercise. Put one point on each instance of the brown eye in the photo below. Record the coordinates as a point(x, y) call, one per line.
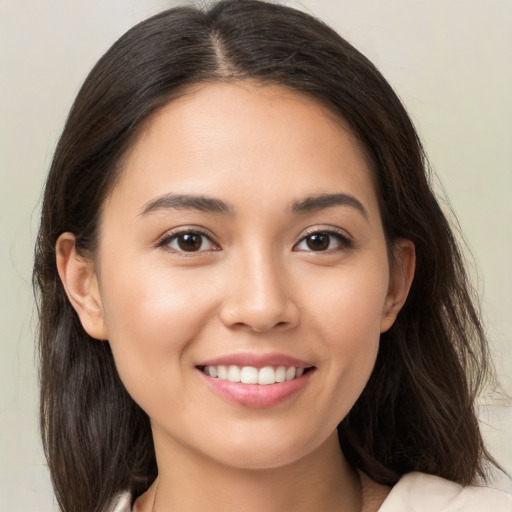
point(318, 241)
point(323, 241)
point(190, 241)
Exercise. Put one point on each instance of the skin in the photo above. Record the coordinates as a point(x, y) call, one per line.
point(258, 287)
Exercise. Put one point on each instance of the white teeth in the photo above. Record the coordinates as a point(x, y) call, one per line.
point(251, 375)
point(222, 372)
point(290, 373)
point(267, 375)
point(234, 374)
point(280, 374)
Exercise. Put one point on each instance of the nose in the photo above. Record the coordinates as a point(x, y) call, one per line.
point(259, 296)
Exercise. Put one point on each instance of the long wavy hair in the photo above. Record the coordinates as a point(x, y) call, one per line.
point(417, 412)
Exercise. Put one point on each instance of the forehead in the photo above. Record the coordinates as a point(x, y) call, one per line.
point(218, 136)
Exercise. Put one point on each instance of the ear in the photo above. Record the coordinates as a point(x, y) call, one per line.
point(400, 280)
point(81, 285)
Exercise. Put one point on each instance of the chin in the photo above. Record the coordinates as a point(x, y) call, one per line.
point(258, 452)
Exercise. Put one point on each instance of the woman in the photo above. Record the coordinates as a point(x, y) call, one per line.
point(249, 296)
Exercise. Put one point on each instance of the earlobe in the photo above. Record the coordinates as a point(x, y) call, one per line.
point(81, 285)
point(401, 276)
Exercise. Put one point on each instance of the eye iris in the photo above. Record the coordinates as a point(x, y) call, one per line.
point(189, 242)
point(318, 242)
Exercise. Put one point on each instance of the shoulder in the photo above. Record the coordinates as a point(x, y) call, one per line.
point(419, 492)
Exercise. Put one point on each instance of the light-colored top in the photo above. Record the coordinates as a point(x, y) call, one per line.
point(418, 492)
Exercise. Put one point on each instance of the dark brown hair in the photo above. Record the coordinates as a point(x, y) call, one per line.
point(417, 412)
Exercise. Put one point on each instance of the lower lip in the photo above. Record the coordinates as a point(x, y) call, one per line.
point(255, 395)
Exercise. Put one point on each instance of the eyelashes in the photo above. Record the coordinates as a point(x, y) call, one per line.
point(189, 241)
point(323, 241)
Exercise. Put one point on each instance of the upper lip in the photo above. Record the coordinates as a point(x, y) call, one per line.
point(256, 360)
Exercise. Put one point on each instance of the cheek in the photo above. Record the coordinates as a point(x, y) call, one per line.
point(348, 315)
point(152, 317)
point(349, 303)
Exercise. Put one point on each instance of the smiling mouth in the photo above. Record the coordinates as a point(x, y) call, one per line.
point(251, 375)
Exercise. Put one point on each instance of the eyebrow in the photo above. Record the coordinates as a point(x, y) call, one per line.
point(210, 205)
point(322, 201)
point(186, 202)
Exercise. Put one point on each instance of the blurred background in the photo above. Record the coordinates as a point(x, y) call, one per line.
point(449, 60)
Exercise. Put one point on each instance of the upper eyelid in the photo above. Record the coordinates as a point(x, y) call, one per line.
point(327, 229)
point(164, 239)
point(344, 238)
point(168, 235)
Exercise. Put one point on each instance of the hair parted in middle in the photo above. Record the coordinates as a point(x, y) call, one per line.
point(417, 410)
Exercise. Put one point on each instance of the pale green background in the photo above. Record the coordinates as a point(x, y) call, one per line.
point(451, 63)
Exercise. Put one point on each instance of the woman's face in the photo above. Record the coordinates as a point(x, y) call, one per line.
point(244, 240)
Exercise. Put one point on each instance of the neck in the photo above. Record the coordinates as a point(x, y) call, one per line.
point(321, 481)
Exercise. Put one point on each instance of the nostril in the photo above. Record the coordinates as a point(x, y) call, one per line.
point(249, 312)
point(259, 328)
point(269, 327)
